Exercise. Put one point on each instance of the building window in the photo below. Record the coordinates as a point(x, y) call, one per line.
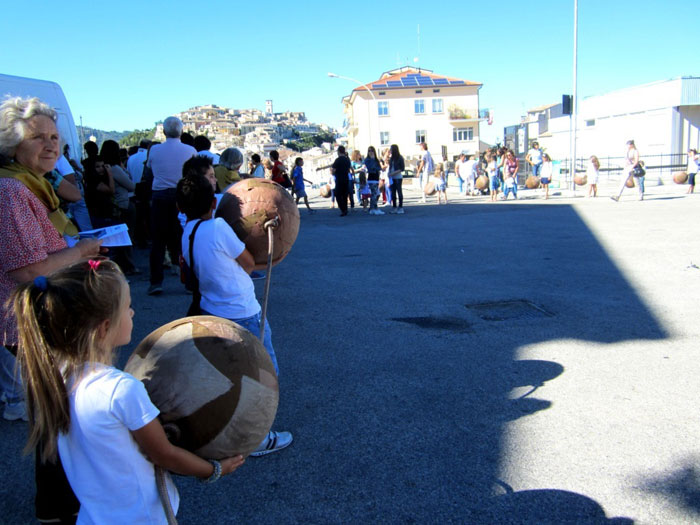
point(420, 136)
point(436, 91)
point(382, 93)
point(462, 134)
point(419, 106)
point(419, 91)
point(383, 108)
point(384, 138)
point(437, 105)
point(590, 123)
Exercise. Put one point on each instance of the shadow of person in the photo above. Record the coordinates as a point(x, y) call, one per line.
point(546, 507)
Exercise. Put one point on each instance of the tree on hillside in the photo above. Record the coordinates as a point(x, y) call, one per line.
point(136, 136)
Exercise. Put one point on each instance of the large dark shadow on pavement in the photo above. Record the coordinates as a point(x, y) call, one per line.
point(398, 419)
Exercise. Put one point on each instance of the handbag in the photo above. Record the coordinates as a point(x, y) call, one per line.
point(638, 171)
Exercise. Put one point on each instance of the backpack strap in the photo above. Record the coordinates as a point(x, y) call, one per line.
point(196, 296)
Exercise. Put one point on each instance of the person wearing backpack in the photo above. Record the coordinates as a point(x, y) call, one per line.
point(221, 264)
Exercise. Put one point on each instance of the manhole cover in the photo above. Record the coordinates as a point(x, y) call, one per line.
point(452, 324)
point(506, 310)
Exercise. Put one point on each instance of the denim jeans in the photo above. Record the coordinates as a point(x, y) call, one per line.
point(252, 324)
point(374, 195)
point(536, 169)
point(397, 193)
point(10, 378)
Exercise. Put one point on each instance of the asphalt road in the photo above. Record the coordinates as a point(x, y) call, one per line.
point(520, 362)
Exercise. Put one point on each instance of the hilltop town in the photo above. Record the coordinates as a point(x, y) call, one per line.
point(253, 130)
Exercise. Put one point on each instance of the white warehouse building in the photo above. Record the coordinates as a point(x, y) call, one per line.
point(661, 117)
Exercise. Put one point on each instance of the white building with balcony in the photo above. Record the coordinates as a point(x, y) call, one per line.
point(409, 105)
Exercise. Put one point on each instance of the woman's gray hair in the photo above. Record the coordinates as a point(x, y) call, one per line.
point(231, 158)
point(14, 113)
point(172, 127)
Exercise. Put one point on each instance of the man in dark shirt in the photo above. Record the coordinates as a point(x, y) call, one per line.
point(341, 169)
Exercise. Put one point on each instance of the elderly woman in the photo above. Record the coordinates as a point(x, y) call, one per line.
point(33, 228)
point(226, 171)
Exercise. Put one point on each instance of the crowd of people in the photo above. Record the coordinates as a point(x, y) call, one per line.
point(65, 306)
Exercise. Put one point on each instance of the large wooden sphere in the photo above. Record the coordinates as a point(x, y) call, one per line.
point(482, 182)
point(213, 382)
point(581, 180)
point(680, 177)
point(532, 182)
point(325, 191)
point(430, 189)
point(248, 204)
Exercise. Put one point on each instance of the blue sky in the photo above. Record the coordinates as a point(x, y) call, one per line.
point(125, 65)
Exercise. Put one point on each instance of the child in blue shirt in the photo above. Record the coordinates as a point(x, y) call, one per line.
point(298, 180)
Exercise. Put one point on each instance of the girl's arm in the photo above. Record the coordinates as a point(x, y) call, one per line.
point(246, 261)
point(154, 443)
point(517, 167)
point(84, 249)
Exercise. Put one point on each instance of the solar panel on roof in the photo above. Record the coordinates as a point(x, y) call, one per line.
point(413, 75)
point(441, 81)
point(425, 82)
point(378, 86)
point(454, 82)
point(409, 82)
point(394, 83)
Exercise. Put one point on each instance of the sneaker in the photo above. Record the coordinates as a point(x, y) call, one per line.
point(379, 212)
point(155, 289)
point(616, 199)
point(273, 442)
point(399, 211)
point(371, 212)
point(15, 411)
point(392, 210)
point(257, 275)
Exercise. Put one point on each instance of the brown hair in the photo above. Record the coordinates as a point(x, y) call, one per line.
point(61, 324)
point(595, 162)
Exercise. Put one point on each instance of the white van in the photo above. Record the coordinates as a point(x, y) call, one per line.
point(52, 94)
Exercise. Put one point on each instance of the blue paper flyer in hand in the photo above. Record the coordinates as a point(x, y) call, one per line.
point(111, 236)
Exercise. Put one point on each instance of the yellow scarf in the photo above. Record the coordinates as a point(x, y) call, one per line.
point(43, 191)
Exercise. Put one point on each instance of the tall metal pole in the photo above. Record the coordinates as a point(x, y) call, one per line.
point(369, 112)
point(574, 102)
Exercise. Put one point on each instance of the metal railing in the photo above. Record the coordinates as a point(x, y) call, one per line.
point(658, 167)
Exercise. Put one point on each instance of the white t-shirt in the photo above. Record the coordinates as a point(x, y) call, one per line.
point(166, 161)
point(428, 165)
point(113, 480)
point(227, 290)
point(535, 155)
point(468, 170)
point(135, 165)
point(63, 166)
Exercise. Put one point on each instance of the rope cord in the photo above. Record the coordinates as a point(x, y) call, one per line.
point(164, 497)
point(270, 227)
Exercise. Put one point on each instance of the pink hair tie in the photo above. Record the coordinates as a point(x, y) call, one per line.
point(94, 265)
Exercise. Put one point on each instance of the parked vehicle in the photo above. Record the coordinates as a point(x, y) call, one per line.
point(52, 94)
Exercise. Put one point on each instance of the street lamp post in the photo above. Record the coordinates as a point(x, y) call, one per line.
point(369, 113)
point(574, 103)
